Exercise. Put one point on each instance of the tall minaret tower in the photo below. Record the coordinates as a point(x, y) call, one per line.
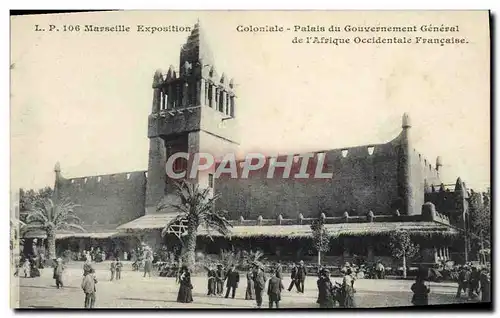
point(194, 110)
point(406, 191)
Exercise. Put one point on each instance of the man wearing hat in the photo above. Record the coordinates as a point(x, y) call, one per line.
point(88, 285)
point(301, 276)
point(259, 283)
point(219, 279)
point(233, 278)
point(463, 280)
point(58, 270)
point(293, 276)
point(275, 286)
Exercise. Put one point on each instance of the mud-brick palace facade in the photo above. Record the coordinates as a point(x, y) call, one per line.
point(376, 189)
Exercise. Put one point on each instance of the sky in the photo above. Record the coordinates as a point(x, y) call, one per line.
point(83, 98)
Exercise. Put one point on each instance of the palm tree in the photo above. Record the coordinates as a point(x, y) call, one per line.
point(250, 258)
point(50, 217)
point(195, 209)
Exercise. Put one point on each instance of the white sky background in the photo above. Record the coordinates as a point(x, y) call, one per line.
point(83, 99)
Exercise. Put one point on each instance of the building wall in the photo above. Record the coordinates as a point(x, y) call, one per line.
point(422, 175)
point(361, 182)
point(106, 200)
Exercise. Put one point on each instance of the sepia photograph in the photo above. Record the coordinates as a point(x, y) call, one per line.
point(315, 160)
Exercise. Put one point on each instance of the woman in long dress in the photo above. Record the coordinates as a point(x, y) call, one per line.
point(185, 289)
point(420, 292)
point(250, 292)
point(348, 290)
point(325, 290)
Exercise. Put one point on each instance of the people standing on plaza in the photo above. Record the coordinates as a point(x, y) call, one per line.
point(420, 292)
point(87, 266)
point(293, 276)
point(26, 268)
point(219, 279)
point(274, 288)
point(463, 280)
point(88, 285)
point(118, 268)
point(211, 281)
point(58, 272)
point(325, 290)
point(233, 278)
point(485, 285)
point(250, 292)
point(185, 294)
point(279, 270)
point(474, 283)
point(34, 271)
point(148, 264)
point(259, 284)
point(112, 269)
point(380, 269)
point(348, 290)
point(301, 276)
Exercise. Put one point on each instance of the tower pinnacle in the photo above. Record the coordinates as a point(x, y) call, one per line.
point(406, 121)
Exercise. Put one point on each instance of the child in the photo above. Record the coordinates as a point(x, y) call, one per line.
point(112, 268)
point(118, 266)
point(88, 286)
point(26, 268)
point(58, 270)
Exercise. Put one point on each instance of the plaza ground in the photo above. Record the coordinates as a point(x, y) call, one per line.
point(135, 291)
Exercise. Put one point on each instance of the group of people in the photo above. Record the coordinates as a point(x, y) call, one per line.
point(473, 281)
point(328, 293)
point(31, 268)
point(332, 294)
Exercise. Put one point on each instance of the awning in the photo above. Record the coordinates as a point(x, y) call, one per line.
point(335, 230)
point(99, 235)
point(147, 222)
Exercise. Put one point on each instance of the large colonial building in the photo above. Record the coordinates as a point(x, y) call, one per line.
point(375, 189)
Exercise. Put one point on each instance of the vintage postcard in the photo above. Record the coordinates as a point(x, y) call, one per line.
point(250, 159)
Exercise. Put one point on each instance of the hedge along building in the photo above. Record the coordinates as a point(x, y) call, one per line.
point(375, 189)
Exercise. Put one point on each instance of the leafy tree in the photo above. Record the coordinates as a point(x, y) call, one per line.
point(402, 247)
point(50, 217)
point(321, 239)
point(195, 209)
